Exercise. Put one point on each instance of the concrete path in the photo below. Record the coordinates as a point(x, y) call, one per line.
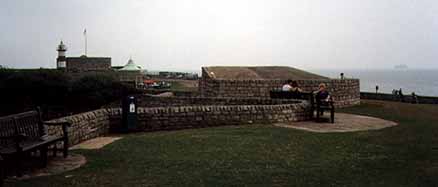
point(96, 143)
point(56, 165)
point(343, 123)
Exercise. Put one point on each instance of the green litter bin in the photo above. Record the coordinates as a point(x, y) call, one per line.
point(129, 114)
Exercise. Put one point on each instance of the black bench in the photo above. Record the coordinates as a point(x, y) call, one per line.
point(322, 106)
point(319, 105)
point(25, 133)
point(2, 171)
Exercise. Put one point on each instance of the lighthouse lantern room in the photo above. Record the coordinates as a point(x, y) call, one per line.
point(61, 60)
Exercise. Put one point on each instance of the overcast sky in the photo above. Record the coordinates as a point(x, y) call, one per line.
point(187, 34)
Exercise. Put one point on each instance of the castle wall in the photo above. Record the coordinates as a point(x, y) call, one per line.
point(185, 114)
point(186, 117)
point(345, 92)
point(85, 126)
point(154, 101)
point(84, 64)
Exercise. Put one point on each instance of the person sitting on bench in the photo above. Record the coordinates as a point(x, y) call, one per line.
point(287, 87)
point(322, 94)
point(296, 90)
point(324, 101)
point(295, 87)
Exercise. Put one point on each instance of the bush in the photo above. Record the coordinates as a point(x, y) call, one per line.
point(98, 90)
point(23, 90)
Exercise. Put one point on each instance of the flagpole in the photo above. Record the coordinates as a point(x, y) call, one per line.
point(85, 35)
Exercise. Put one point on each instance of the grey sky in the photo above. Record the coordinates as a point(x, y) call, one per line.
point(187, 34)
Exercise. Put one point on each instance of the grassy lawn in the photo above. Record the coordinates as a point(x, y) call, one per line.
point(263, 155)
point(184, 85)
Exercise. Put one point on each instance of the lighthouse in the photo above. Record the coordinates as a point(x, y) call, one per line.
point(61, 61)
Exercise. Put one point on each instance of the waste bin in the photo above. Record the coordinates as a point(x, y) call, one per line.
point(129, 114)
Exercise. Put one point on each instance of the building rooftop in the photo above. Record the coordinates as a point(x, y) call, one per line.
point(130, 66)
point(258, 72)
point(83, 57)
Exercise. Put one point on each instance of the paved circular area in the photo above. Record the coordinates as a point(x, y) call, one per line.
point(59, 164)
point(56, 165)
point(96, 143)
point(343, 123)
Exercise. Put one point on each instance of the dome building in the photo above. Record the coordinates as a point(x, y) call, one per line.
point(131, 72)
point(131, 67)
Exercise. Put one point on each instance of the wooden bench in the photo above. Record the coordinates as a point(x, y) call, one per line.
point(2, 171)
point(322, 106)
point(319, 106)
point(25, 133)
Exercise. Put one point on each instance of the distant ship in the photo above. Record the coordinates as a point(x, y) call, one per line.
point(401, 67)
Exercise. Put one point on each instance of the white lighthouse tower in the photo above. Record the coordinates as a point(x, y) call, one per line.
point(61, 60)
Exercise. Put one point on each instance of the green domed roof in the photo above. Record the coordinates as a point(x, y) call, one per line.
point(131, 66)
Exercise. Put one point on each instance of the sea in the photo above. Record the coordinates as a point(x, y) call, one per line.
point(422, 82)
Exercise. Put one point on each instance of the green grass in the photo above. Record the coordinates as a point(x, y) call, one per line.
point(261, 72)
point(263, 155)
point(183, 86)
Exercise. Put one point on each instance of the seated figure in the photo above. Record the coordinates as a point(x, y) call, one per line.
point(287, 87)
point(324, 102)
point(295, 87)
point(296, 90)
point(322, 94)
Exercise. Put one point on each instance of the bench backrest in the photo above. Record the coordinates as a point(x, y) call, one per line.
point(28, 123)
point(278, 94)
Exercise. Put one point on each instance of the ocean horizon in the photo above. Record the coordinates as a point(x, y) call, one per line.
point(421, 81)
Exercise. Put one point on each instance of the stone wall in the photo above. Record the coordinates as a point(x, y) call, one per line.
point(345, 92)
point(85, 126)
point(158, 113)
point(151, 101)
point(183, 117)
point(84, 64)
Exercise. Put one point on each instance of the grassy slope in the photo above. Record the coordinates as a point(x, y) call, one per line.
point(261, 72)
point(406, 155)
point(184, 85)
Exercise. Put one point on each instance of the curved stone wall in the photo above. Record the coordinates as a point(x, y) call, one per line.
point(153, 101)
point(345, 92)
point(85, 126)
point(156, 113)
point(182, 117)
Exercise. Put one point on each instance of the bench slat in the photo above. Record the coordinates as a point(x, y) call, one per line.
point(30, 145)
point(7, 129)
point(31, 126)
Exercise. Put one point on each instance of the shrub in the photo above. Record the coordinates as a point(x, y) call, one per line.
point(23, 90)
point(98, 90)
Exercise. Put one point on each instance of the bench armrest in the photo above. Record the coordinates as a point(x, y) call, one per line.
point(64, 124)
point(329, 103)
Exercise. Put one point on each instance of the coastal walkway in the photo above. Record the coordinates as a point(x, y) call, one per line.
point(343, 123)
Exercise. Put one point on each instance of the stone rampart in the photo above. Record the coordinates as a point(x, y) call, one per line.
point(155, 113)
point(85, 126)
point(183, 117)
point(151, 101)
point(345, 92)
